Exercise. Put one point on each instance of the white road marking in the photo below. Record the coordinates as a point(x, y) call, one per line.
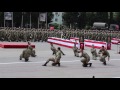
point(44, 61)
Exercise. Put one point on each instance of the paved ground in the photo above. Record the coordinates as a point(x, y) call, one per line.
point(71, 67)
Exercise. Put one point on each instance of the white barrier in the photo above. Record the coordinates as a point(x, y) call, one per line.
point(70, 43)
point(62, 42)
point(89, 43)
point(115, 41)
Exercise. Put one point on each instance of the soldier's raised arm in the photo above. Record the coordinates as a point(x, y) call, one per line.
point(100, 51)
point(108, 54)
point(62, 52)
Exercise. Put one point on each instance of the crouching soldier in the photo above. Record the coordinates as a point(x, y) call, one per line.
point(75, 50)
point(105, 54)
point(56, 60)
point(86, 58)
point(31, 48)
point(55, 50)
point(25, 54)
point(94, 53)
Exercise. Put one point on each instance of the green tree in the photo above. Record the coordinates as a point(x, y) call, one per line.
point(1, 19)
point(118, 18)
point(70, 19)
point(17, 18)
point(82, 20)
point(90, 16)
point(111, 18)
point(101, 17)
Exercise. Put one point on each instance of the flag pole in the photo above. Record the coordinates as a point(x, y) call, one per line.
point(38, 20)
point(22, 20)
point(4, 20)
point(12, 20)
point(30, 20)
point(46, 20)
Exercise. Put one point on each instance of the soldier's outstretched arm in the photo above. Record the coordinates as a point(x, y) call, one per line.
point(62, 52)
point(99, 51)
point(108, 55)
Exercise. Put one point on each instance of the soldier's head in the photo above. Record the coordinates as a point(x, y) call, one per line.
point(74, 44)
point(51, 44)
point(28, 43)
point(103, 48)
point(93, 46)
point(58, 48)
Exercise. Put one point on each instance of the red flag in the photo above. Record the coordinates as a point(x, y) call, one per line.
point(51, 28)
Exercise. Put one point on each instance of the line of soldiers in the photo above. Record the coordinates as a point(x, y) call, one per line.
point(58, 53)
point(103, 53)
point(23, 34)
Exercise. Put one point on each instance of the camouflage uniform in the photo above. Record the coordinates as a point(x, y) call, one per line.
point(55, 60)
point(25, 54)
point(94, 53)
point(75, 50)
point(105, 54)
point(53, 49)
point(86, 59)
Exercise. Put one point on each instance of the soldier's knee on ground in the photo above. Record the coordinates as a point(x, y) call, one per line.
point(83, 60)
point(77, 55)
point(102, 58)
point(26, 59)
point(33, 54)
point(33, 51)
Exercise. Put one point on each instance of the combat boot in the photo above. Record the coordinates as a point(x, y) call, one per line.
point(90, 64)
point(104, 63)
point(20, 58)
point(26, 60)
point(45, 64)
point(53, 53)
point(58, 64)
point(85, 65)
point(54, 64)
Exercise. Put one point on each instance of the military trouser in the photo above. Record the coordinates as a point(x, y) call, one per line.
point(102, 58)
point(76, 53)
point(85, 60)
point(94, 57)
point(55, 61)
point(54, 52)
point(33, 53)
point(26, 58)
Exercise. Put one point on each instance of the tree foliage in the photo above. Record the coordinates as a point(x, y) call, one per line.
point(86, 19)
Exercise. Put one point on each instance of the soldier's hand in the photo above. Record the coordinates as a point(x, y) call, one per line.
point(63, 54)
